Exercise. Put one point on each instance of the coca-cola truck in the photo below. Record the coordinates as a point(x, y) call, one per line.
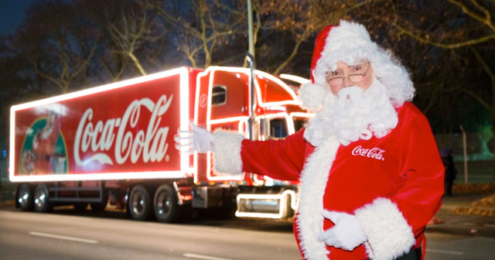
point(114, 144)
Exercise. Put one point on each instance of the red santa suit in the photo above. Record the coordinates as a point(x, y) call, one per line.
point(392, 183)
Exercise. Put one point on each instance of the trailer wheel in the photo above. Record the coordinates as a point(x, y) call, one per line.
point(41, 197)
point(24, 199)
point(166, 205)
point(139, 203)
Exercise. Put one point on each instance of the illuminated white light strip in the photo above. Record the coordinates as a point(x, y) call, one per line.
point(290, 129)
point(228, 120)
point(294, 101)
point(184, 111)
point(183, 71)
point(242, 125)
point(12, 154)
point(278, 81)
point(196, 114)
point(276, 108)
point(209, 122)
point(280, 197)
point(101, 176)
point(203, 257)
point(89, 241)
point(295, 78)
point(278, 103)
point(99, 89)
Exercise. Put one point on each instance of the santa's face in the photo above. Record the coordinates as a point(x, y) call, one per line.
point(353, 114)
point(360, 75)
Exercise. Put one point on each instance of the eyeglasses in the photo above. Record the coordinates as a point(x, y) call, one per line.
point(354, 78)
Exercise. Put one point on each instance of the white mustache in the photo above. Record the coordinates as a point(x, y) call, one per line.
point(354, 94)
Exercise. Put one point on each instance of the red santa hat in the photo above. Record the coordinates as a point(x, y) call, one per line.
point(351, 43)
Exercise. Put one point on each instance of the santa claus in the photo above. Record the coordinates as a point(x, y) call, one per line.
point(44, 143)
point(371, 175)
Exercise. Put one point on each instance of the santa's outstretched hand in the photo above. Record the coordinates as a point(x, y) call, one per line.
point(347, 232)
point(199, 140)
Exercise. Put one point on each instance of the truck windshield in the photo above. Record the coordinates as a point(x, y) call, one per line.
point(278, 128)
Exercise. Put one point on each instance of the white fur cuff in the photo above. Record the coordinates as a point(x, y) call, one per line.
point(227, 148)
point(389, 234)
point(311, 95)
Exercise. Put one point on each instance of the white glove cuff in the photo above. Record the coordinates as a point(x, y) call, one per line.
point(389, 235)
point(227, 147)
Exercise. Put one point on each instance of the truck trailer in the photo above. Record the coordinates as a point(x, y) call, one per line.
point(114, 144)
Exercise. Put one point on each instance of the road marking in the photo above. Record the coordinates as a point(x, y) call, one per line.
point(444, 252)
point(89, 241)
point(203, 257)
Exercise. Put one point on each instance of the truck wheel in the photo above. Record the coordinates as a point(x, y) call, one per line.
point(41, 196)
point(165, 204)
point(139, 203)
point(24, 199)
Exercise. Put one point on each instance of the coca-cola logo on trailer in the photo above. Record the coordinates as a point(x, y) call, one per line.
point(374, 153)
point(95, 139)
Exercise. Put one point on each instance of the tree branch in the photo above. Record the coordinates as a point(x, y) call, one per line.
point(442, 45)
point(477, 97)
point(466, 10)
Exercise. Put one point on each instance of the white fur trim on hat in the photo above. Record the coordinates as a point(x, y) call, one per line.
point(311, 95)
point(350, 43)
point(227, 152)
point(389, 235)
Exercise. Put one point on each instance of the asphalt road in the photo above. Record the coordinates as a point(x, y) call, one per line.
point(65, 234)
point(62, 236)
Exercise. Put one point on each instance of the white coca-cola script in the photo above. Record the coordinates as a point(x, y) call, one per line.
point(374, 153)
point(94, 139)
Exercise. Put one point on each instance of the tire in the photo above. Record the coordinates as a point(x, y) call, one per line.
point(139, 204)
point(41, 199)
point(24, 198)
point(165, 205)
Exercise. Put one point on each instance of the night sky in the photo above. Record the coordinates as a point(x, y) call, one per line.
point(12, 13)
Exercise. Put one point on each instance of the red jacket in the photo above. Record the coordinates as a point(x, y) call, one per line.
point(393, 185)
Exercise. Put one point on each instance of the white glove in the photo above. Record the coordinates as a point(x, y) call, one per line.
point(347, 232)
point(199, 140)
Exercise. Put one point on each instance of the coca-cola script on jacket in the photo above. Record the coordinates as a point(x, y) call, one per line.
point(374, 153)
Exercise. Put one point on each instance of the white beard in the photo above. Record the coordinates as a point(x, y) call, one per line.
point(353, 115)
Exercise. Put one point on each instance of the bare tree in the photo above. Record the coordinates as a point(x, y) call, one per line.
point(201, 27)
point(298, 21)
point(465, 29)
point(53, 39)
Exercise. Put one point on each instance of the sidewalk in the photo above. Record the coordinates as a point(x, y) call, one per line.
point(447, 221)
